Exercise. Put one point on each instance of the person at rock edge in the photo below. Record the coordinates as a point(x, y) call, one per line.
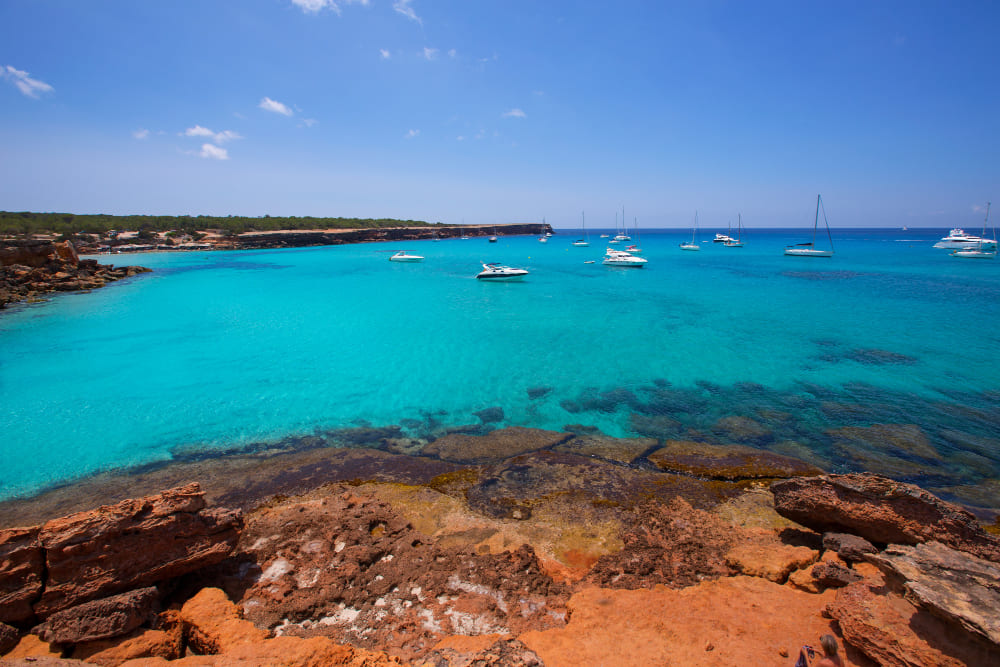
point(830, 656)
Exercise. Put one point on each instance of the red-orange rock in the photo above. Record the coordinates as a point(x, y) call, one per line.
point(21, 569)
point(762, 554)
point(112, 616)
point(745, 621)
point(881, 510)
point(132, 544)
point(148, 644)
point(213, 625)
point(892, 631)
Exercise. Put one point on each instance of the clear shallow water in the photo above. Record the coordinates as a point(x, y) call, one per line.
point(219, 350)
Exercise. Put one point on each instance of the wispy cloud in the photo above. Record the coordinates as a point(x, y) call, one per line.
point(267, 104)
point(452, 53)
point(514, 113)
point(404, 8)
point(217, 137)
point(412, 133)
point(213, 152)
point(307, 122)
point(141, 133)
point(385, 54)
point(33, 88)
point(315, 6)
point(429, 53)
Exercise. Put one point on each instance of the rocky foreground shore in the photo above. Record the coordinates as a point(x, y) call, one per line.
point(33, 268)
point(519, 547)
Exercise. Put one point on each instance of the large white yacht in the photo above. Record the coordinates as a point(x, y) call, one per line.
point(497, 271)
point(958, 239)
point(621, 258)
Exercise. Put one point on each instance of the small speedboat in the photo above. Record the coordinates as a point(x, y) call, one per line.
point(497, 271)
point(621, 258)
point(722, 238)
point(404, 256)
point(634, 249)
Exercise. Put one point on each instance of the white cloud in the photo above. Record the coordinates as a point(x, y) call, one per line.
point(213, 152)
point(141, 133)
point(460, 138)
point(430, 53)
point(514, 113)
point(226, 135)
point(217, 137)
point(452, 53)
point(30, 87)
point(412, 133)
point(385, 54)
point(403, 7)
point(307, 122)
point(267, 104)
point(198, 131)
point(315, 6)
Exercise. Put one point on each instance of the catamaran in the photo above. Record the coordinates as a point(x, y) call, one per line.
point(810, 249)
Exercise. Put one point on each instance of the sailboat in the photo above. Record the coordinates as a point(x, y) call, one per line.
point(584, 242)
point(621, 236)
point(738, 241)
point(544, 238)
point(692, 245)
point(493, 238)
point(985, 248)
point(634, 248)
point(810, 249)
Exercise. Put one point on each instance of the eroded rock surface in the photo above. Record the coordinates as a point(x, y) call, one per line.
point(494, 446)
point(346, 566)
point(22, 564)
point(882, 511)
point(131, 544)
point(957, 587)
point(728, 462)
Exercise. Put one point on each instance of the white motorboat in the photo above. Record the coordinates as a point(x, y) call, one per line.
point(722, 238)
point(958, 239)
point(497, 271)
point(985, 248)
point(404, 256)
point(693, 245)
point(621, 258)
point(809, 249)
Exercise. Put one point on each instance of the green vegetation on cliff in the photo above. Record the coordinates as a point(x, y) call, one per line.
point(69, 223)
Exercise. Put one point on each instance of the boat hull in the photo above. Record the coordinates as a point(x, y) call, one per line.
point(975, 254)
point(626, 265)
point(502, 278)
point(689, 246)
point(808, 252)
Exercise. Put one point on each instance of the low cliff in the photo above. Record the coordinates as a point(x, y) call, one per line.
point(31, 268)
point(297, 239)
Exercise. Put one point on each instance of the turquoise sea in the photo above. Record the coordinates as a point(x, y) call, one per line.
point(222, 351)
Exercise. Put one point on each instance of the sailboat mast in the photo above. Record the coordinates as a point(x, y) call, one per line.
point(816, 222)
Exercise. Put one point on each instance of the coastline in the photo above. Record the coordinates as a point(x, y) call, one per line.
point(550, 549)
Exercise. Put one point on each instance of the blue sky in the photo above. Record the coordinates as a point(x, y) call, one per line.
point(489, 111)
